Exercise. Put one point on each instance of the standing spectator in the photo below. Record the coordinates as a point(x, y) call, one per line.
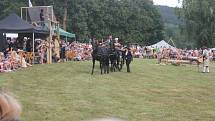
point(206, 58)
point(42, 18)
point(63, 50)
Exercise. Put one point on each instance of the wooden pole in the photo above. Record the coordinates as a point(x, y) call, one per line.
point(52, 13)
point(49, 48)
point(21, 13)
point(26, 13)
point(58, 30)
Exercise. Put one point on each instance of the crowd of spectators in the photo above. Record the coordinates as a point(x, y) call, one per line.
point(20, 55)
point(64, 51)
point(168, 52)
point(11, 60)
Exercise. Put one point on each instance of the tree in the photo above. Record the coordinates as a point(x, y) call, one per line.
point(65, 14)
point(198, 21)
point(9, 6)
point(130, 20)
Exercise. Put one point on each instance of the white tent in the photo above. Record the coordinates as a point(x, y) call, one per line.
point(12, 35)
point(212, 49)
point(162, 44)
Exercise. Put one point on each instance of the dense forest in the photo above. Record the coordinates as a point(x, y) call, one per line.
point(131, 20)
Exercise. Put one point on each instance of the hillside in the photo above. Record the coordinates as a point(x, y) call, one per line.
point(168, 15)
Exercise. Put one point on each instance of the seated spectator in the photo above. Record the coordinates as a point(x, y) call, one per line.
point(7, 63)
point(78, 57)
point(15, 61)
point(24, 64)
point(1, 62)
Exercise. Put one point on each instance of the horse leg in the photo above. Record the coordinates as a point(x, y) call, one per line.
point(118, 63)
point(121, 63)
point(105, 68)
point(114, 66)
point(93, 66)
point(108, 66)
point(118, 68)
point(111, 66)
point(101, 67)
point(121, 66)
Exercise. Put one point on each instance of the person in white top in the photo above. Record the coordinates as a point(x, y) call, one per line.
point(206, 58)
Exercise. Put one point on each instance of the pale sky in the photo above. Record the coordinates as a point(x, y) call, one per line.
point(171, 3)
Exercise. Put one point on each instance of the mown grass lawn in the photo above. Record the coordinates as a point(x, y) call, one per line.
point(67, 92)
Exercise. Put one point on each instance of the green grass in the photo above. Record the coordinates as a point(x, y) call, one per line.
point(67, 92)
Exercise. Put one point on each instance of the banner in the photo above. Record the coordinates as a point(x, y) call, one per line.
point(29, 3)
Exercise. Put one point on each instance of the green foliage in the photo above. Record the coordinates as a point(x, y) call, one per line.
point(9, 6)
point(130, 20)
point(199, 24)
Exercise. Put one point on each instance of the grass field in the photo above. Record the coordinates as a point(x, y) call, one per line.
point(67, 92)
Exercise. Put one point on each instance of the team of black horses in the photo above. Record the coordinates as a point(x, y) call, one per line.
point(109, 57)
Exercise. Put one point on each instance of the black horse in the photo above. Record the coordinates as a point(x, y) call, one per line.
point(117, 58)
point(100, 54)
point(114, 57)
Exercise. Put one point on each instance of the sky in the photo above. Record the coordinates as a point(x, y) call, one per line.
point(170, 3)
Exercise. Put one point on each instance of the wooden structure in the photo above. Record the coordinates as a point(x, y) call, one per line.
point(28, 14)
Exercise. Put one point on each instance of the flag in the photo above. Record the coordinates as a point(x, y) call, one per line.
point(30, 4)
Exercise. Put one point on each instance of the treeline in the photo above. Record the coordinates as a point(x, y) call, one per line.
point(131, 20)
point(191, 26)
point(198, 22)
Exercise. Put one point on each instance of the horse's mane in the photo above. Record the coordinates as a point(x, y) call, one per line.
point(10, 109)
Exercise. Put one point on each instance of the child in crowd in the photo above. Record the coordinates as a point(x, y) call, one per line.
point(1, 62)
point(22, 60)
point(42, 51)
point(14, 62)
point(7, 63)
